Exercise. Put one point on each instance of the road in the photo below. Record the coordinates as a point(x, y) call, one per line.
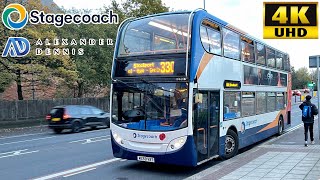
point(85, 155)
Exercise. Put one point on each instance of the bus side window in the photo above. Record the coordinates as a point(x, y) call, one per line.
point(232, 105)
point(231, 44)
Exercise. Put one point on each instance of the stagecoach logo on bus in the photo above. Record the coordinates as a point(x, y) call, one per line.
point(144, 136)
point(247, 124)
point(290, 20)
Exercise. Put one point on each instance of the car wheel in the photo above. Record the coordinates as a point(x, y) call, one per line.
point(57, 131)
point(76, 127)
point(280, 126)
point(231, 144)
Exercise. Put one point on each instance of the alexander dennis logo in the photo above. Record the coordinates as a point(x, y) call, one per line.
point(19, 46)
point(16, 47)
point(15, 8)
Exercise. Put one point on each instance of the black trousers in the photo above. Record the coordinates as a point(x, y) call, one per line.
point(308, 127)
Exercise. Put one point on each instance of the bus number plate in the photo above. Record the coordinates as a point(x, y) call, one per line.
point(145, 159)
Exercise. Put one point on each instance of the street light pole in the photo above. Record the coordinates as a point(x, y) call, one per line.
point(204, 4)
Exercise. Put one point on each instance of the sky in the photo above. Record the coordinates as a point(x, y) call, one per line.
point(246, 15)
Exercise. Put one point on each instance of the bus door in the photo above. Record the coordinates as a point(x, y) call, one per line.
point(206, 123)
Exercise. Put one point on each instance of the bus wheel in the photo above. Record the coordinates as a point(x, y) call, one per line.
point(280, 125)
point(231, 144)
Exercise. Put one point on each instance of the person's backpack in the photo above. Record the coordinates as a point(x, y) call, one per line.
point(306, 112)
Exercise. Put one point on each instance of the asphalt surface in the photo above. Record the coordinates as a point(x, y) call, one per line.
point(38, 153)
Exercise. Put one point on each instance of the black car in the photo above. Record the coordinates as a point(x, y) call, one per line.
point(75, 117)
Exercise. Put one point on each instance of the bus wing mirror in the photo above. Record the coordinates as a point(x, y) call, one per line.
point(198, 98)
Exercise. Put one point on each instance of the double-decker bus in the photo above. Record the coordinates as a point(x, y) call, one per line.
point(188, 87)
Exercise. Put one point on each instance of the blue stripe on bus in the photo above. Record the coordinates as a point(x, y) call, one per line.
point(197, 50)
point(251, 136)
point(186, 156)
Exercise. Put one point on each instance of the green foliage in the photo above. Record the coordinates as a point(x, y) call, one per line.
point(300, 78)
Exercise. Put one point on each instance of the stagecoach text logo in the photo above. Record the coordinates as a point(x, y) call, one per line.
point(144, 136)
point(58, 20)
point(20, 46)
point(290, 20)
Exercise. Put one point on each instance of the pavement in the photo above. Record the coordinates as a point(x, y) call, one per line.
point(284, 157)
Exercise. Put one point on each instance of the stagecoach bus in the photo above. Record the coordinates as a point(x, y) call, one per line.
point(188, 87)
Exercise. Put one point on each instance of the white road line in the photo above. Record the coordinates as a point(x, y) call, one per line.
point(93, 141)
point(18, 154)
point(79, 172)
point(29, 140)
point(89, 139)
point(9, 137)
point(13, 152)
point(59, 174)
point(294, 128)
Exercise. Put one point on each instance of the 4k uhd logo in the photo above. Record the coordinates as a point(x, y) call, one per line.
point(290, 20)
point(15, 8)
point(16, 47)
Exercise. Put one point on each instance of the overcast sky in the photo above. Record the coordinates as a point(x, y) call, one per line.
point(247, 15)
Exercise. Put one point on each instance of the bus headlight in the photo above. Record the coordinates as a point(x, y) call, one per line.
point(117, 138)
point(177, 143)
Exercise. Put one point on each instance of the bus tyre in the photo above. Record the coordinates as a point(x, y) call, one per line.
point(57, 131)
point(231, 144)
point(280, 126)
point(76, 126)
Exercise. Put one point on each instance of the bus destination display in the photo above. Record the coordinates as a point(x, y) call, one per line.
point(150, 68)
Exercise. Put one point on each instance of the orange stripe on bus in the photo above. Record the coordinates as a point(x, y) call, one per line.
point(274, 123)
point(203, 63)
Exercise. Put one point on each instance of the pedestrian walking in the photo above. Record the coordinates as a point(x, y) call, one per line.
point(308, 112)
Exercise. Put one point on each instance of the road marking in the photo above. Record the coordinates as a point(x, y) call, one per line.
point(29, 140)
point(93, 141)
point(79, 172)
point(294, 128)
point(90, 140)
point(9, 137)
point(287, 142)
point(12, 152)
point(17, 153)
point(90, 166)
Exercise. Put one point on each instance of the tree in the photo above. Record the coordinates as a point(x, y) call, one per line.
point(300, 78)
point(94, 66)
